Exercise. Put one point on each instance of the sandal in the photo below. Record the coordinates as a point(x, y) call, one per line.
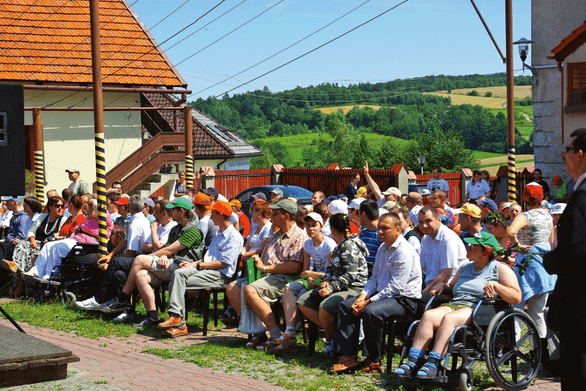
point(346, 364)
point(257, 340)
point(407, 369)
point(284, 338)
point(428, 371)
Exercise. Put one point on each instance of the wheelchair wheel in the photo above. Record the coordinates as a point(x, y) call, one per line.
point(466, 382)
point(68, 298)
point(510, 358)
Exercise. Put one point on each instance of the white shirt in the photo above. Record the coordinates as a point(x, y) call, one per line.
point(475, 190)
point(319, 255)
point(445, 251)
point(139, 230)
point(413, 241)
point(5, 219)
point(162, 233)
point(256, 240)
point(225, 247)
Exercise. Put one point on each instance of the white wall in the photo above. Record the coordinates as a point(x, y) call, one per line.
point(551, 21)
point(68, 136)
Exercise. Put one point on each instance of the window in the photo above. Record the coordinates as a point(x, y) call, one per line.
point(577, 83)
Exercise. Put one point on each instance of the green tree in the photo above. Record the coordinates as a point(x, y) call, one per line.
point(441, 148)
point(342, 143)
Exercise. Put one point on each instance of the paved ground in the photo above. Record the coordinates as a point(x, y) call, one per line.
point(118, 364)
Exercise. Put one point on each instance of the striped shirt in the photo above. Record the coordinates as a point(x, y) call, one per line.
point(370, 238)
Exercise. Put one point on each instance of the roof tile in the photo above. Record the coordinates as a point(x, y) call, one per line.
point(49, 41)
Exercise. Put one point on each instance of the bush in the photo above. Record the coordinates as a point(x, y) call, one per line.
point(473, 93)
point(488, 94)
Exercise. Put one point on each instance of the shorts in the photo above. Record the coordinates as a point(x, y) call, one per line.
point(329, 303)
point(297, 288)
point(456, 307)
point(159, 274)
point(272, 287)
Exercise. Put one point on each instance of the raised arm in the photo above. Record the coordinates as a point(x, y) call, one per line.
point(371, 183)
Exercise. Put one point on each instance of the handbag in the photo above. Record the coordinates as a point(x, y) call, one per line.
point(250, 323)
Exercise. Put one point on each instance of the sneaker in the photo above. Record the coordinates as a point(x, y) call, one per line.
point(88, 305)
point(123, 317)
point(147, 322)
point(32, 272)
point(112, 306)
point(9, 265)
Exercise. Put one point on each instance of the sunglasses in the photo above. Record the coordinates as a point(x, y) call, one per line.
point(60, 206)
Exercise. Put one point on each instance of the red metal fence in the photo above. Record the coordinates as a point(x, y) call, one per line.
point(231, 182)
point(454, 180)
point(333, 182)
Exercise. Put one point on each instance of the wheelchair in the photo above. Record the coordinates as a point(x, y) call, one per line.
point(72, 278)
point(512, 359)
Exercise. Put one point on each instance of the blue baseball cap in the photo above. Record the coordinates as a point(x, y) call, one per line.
point(19, 199)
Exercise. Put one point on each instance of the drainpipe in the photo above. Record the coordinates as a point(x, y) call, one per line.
point(188, 147)
point(222, 162)
point(562, 92)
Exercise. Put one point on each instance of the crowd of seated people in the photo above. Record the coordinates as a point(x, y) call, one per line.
point(345, 265)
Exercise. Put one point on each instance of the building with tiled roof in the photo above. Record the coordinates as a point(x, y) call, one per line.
point(46, 47)
point(558, 59)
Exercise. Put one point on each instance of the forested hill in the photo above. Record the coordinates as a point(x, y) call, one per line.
point(406, 111)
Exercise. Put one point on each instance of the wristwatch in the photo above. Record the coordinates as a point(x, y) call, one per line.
point(264, 269)
point(198, 265)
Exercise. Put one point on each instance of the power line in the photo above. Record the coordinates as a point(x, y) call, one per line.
point(18, 17)
point(224, 36)
point(313, 50)
point(172, 36)
point(162, 20)
point(204, 26)
point(281, 51)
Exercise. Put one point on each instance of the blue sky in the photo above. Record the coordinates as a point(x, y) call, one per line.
point(418, 38)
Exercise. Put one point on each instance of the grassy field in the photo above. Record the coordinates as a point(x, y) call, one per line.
point(498, 99)
point(346, 109)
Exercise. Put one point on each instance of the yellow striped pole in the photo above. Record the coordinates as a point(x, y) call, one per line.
point(100, 149)
point(188, 147)
point(511, 190)
point(39, 161)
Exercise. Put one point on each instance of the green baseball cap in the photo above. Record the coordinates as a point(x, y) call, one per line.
point(181, 202)
point(486, 240)
point(285, 204)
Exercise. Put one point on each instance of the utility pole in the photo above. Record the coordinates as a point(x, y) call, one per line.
point(100, 149)
point(511, 190)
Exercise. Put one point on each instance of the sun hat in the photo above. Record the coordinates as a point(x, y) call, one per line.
point(223, 208)
point(149, 201)
point(285, 204)
point(425, 192)
point(314, 216)
point(393, 191)
point(486, 240)
point(361, 191)
point(180, 202)
point(17, 199)
point(555, 180)
point(71, 169)
point(389, 205)
point(469, 209)
point(505, 205)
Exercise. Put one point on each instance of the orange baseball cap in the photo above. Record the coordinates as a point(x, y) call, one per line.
point(223, 207)
point(555, 180)
point(533, 192)
point(203, 199)
point(236, 203)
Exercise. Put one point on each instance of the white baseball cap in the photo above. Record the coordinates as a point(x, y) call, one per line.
point(314, 216)
point(338, 206)
point(355, 203)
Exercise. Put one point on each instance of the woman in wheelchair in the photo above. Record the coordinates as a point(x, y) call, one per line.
point(484, 276)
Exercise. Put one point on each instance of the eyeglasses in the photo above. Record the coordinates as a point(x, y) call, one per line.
point(568, 149)
point(60, 206)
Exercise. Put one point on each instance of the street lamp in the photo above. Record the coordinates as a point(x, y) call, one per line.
point(421, 160)
point(524, 51)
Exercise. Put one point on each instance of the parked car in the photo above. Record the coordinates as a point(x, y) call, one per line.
point(303, 196)
point(416, 187)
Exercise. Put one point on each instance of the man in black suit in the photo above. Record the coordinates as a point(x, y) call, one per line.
point(567, 313)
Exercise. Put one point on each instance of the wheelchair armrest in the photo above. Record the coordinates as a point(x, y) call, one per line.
point(436, 301)
point(485, 309)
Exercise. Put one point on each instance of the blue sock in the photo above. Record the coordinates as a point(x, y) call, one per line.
point(435, 355)
point(414, 356)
